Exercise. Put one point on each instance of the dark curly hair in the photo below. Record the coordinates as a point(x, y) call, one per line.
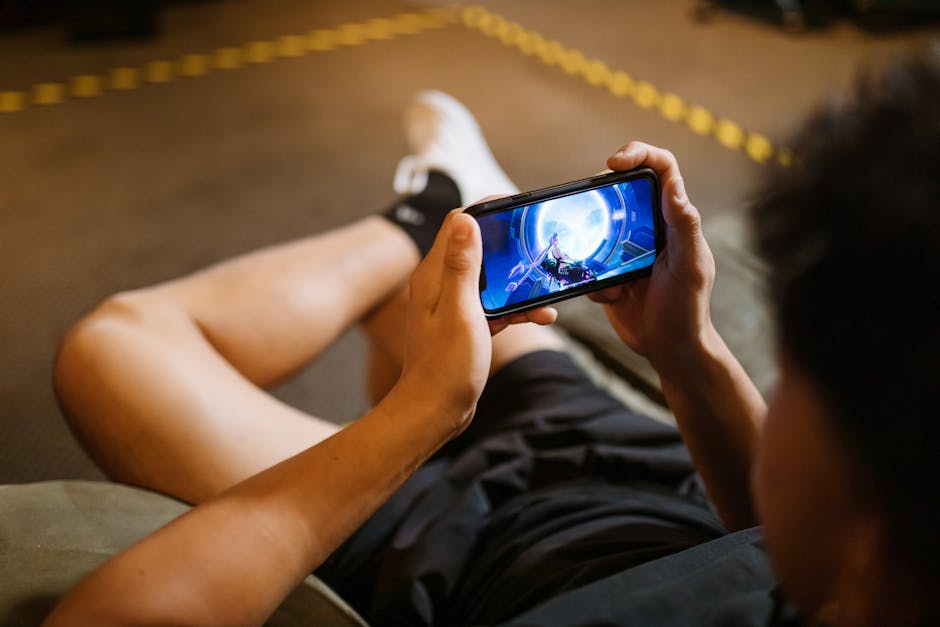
point(851, 237)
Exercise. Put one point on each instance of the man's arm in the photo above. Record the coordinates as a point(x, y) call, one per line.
point(232, 559)
point(718, 411)
point(666, 318)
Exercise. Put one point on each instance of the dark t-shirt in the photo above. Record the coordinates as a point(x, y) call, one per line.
point(557, 539)
point(723, 582)
point(558, 506)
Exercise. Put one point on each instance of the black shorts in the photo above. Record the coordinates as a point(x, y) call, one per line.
point(540, 423)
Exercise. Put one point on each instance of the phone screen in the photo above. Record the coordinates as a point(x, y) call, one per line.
point(535, 253)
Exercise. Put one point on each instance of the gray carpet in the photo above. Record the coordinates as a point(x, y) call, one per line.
point(134, 187)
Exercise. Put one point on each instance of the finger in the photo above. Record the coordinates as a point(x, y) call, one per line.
point(542, 315)
point(500, 324)
point(497, 325)
point(607, 295)
point(662, 161)
point(683, 229)
point(426, 279)
point(435, 256)
point(678, 212)
point(460, 277)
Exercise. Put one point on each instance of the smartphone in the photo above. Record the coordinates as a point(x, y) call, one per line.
point(555, 243)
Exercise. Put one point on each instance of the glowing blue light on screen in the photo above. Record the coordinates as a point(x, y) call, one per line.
point(580, 232)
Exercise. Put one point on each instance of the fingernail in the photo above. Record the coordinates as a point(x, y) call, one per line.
point(460, 229)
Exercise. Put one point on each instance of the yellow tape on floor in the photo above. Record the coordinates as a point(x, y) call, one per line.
point(229, 58)
point(570, 61)
point(644, 94)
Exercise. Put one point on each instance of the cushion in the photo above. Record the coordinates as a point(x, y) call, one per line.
point(54, 533)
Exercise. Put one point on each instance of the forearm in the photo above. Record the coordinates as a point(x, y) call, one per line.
point(667, 318)
point(718, 411)
point(234, 558)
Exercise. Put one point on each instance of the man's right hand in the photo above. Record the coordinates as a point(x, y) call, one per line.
point(663, 315)
point(448, 347)
point(666, 318)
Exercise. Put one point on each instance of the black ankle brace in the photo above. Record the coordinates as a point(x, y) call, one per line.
point(421, 215)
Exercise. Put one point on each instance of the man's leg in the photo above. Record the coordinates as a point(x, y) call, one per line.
point(444, 137)
point(162, 384)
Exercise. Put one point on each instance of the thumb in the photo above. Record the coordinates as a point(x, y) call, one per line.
point(689, 257)
point(683, 222)
point(460, 281)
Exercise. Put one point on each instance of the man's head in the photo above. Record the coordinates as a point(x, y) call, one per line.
point(845, 479)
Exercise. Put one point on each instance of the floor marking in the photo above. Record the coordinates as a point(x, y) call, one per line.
point(86, 86)
point(11, 101)
point(228, 58)
point(260, 51)
point(291, 46)
point(124, 78)
point(643, 93)
point(194, 65)
point(570, 61)
point(159, 72)
point(47, 93)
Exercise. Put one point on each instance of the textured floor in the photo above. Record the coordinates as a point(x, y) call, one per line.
point(133, 187)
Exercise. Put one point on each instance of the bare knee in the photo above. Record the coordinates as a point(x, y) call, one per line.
point(84, 340)
point(89, 359)
point(522, 339)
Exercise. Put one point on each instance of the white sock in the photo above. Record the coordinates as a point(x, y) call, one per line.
point(444, 135)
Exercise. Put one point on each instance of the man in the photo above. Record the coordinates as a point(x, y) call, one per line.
point(556, 505)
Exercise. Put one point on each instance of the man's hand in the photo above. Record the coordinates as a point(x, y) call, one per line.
point(666, 318)
point(661, 315)
point(448, 348)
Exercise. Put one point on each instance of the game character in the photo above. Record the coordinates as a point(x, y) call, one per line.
point(560, 267)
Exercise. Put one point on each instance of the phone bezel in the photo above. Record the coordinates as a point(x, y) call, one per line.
point(568, 189)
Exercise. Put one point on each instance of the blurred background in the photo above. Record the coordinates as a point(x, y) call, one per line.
point(143, 140)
